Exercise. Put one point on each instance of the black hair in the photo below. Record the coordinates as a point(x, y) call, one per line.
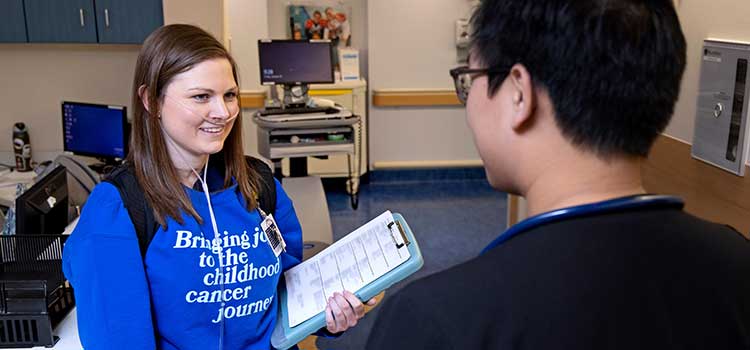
point(612, 68)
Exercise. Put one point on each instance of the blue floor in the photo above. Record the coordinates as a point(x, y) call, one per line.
point(453, 213)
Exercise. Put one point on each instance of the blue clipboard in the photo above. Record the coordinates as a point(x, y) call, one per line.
point(284, 337)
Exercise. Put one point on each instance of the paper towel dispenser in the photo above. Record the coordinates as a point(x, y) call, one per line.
point(721, 123)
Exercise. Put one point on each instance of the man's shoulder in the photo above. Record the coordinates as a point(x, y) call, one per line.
point(663, 221)
point(455, 284)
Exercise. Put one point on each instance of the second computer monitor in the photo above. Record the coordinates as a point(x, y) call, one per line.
point(95, 130)
point(295, 62)
point(43, 208)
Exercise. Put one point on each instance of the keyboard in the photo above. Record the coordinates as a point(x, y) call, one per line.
point(300, 110)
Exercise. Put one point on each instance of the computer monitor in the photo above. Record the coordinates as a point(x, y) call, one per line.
point(43, 208)
point(295, 62)
point(95, 130)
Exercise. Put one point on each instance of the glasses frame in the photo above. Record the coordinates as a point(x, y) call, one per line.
point(462, 90)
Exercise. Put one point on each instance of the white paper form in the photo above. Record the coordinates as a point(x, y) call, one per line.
point(349, 264)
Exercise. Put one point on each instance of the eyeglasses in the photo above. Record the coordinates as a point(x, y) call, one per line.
point(463, 77)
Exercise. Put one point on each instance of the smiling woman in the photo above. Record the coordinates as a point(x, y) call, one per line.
point(205, 277)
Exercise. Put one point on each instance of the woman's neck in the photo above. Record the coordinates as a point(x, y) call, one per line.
point(187, 172)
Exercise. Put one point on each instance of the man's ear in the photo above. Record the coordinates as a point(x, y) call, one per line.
point(522, 98)
point(143, 94)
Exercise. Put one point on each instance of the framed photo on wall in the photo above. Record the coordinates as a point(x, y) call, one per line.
point(320, 21)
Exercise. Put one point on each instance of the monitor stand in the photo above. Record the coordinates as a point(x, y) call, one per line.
point(296, 95)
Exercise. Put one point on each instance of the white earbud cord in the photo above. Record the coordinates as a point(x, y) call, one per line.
point(217, 236)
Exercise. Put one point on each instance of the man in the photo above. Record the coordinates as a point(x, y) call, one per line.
point(565, 98)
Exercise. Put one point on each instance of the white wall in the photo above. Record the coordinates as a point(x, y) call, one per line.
point(37, 77)
point(207, 14)
point(717, 19)
point(247, 21)
point(412, 45)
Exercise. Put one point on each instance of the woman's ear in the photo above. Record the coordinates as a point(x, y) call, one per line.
point(143, 95)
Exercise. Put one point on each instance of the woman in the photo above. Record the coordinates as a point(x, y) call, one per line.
point(208, 278)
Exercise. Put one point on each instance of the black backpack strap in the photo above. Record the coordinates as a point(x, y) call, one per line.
point(141, 214)
point(267, 195)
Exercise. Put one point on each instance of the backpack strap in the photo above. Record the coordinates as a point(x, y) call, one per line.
point(142, 216)
point(267, 196)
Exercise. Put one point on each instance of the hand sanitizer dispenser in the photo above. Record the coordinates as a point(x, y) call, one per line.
point(721, 123)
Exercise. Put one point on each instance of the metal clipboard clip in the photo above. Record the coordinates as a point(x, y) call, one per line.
point(401, 231)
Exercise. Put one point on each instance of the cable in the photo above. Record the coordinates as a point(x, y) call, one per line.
point(354, 196)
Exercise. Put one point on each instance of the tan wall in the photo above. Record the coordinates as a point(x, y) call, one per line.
point(37, 77)
point(701, 19)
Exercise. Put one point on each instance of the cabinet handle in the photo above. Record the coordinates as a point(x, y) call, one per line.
point(80, 12)
point(106, 18)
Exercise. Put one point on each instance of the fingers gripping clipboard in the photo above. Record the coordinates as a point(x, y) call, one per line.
point(360, 266)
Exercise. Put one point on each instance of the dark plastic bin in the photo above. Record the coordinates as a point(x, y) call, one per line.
point(34, 295)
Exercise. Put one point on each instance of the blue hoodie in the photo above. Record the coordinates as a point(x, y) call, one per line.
point(172, 298)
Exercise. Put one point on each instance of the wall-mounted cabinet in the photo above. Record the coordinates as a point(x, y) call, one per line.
point(12, 24)
point(79, 21)
point(127, 21)
point(60, 21)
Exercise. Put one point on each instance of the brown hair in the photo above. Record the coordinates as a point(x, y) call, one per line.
point(167, 52)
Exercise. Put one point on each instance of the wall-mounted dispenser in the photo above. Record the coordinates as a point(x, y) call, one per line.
point(463, 40)
point(721, 125)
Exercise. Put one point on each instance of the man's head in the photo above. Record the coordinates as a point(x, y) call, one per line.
point(606, 72)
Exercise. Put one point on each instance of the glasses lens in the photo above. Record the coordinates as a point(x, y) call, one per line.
point(463, 85)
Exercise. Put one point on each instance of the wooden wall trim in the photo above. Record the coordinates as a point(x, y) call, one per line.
point(513, 216)
point(252, 99)
point(256, 99)
point(404, 98)
point(709, 192)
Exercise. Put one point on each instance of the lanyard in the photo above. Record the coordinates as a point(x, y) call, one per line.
point(579, 211)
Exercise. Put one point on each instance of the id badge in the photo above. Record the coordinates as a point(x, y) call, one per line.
point(273, 235)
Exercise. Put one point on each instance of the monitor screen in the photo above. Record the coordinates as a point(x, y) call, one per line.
point(95, 130)
point(43, 208)
point(295, 62)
